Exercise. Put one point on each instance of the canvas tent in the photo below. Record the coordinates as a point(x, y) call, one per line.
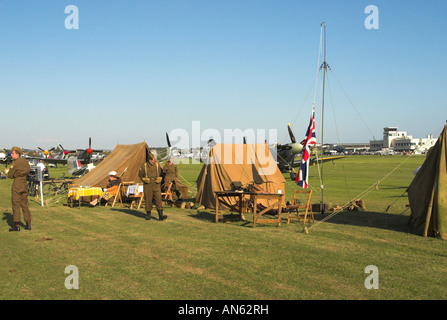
point(247, 163)
point(124, 159)
point(427, 193)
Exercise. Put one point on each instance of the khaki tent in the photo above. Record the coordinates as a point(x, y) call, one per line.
point(247, 163)
point(427, 193)
point(124, 159)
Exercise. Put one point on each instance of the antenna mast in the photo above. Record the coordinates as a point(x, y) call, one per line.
point(324, 65)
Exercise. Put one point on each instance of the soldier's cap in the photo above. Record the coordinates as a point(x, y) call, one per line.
point(150, 156)
point(17, 150)
point(112, 173)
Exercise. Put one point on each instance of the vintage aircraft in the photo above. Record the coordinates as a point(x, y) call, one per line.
point(83, 161)
point(64, 153)
point(46, 152)
point(80, 161)
point(74, 162)
point(285, 155)
point(50, 160)
point(85, 156)
point(5, 155)
point(162, 154)
point(76, 168)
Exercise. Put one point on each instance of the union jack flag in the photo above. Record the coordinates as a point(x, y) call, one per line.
point(310, 138)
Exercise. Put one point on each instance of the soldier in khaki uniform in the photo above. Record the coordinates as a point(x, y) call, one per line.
point(171, 175)
point(150, 174)
point(170, 170)
point(19, 171)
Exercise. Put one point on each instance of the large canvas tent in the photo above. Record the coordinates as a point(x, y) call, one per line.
point(124, 159)
point(427, 193)
point(245, 163)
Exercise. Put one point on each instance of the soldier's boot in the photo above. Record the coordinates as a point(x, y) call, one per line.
point(161, 216)
point(148, 215)
point(15, 228)
point(28, 225)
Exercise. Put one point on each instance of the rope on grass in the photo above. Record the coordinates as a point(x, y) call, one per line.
point(364, 193)
point(53, 200)
point(389, 206)
point(343, 207)
point(187, 183)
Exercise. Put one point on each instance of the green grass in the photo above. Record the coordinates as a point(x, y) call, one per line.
point(120, 255)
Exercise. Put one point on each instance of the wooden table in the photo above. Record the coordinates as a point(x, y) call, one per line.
point(78, 193)
point(254, 196)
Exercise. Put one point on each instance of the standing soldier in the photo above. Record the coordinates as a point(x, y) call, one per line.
point(170, 170)
point(19, 171)
point(150, 174)
point(171, 175)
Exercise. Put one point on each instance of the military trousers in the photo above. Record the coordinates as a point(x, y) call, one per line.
point(20, 201)
point(152, 191)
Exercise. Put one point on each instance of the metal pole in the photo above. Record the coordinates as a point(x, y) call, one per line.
point(41, 193)
point(324, 65)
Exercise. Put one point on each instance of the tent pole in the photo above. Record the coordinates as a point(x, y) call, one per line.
point(324, 66)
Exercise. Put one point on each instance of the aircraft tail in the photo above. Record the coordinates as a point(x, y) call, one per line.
point(73, 165)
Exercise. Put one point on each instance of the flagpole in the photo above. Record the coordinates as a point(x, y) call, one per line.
point(324, 66)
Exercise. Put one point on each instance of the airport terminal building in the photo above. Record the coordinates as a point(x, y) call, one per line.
point(400, 141)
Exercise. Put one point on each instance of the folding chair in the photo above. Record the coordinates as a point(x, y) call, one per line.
point(137, 196)
point(121, 194)
point(116, 193)
point(296, 207)
point(166, 194)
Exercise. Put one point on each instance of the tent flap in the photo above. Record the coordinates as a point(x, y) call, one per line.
point(427, 193)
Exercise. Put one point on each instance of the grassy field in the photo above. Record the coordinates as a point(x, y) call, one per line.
point(120, 255)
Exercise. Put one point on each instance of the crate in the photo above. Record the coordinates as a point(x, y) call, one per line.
point(316, 207)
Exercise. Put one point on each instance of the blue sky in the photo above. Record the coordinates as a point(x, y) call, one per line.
point(135, 70)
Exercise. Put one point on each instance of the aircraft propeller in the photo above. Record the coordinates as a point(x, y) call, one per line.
point(292, 136)
point(295, 147)
point(46, 152)
point(66, 152)
point(286, 154)
point(167, 139)
point(89, 150)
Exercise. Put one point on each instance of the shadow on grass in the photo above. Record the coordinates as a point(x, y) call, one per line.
point(380, 220)
point(233, 217)
point(8, 217)
point(131, 212)
point(389, 187)
point(209, 215)
point(387, 221)
point(136, 213)
point(204, 215)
